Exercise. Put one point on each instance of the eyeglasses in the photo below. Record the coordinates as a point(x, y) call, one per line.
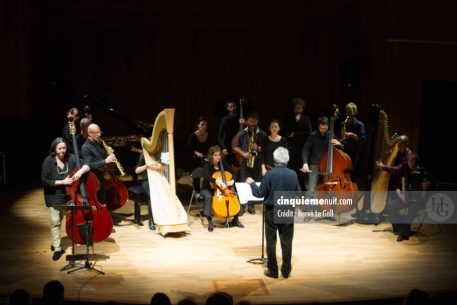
point(64, 171)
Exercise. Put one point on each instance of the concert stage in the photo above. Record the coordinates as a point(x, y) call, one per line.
point(330, 263)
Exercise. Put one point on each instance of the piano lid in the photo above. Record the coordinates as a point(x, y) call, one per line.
point(140, 126)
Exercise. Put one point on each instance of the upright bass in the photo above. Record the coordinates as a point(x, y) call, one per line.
point(91, 221)
point(335, 166)
point(238, 157)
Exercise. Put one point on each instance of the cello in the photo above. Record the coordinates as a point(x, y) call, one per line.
point(225, 201)
point(92, 219)
point(335, 166)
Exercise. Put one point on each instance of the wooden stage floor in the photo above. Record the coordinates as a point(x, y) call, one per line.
point(330, 263)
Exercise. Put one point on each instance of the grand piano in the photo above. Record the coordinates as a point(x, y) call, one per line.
point(127, 147)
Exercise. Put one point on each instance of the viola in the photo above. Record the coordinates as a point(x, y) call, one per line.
point(225, 202)
point(335, 166)
point(89, 210)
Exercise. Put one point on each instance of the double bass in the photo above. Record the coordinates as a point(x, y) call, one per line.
point(91, 218)
point(225, 202)
point(238, 157)
point(335, 166)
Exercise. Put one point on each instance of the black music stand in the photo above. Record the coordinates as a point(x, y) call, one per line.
point(87, 226)
point(262, 259)
point(70, 258)
point(245, 195)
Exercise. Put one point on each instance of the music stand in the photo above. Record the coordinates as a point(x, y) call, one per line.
point(88, 240)
point(245, 196)
point(67, 207)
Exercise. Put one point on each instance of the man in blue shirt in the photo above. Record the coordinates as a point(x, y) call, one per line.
point(279, 179)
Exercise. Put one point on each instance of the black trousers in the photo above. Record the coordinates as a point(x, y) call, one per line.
point(402, 215)
point(286, 235)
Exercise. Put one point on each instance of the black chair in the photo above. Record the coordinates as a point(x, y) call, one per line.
point(196, 173)
point(139, 195)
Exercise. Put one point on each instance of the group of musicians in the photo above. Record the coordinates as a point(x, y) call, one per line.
point(286, 157)
point(58, 168)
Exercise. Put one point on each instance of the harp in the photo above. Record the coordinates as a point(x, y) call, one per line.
point(169, 214)
point(386, 149)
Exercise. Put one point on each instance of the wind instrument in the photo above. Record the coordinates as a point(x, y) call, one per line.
point(252, 152)
point(110, 151)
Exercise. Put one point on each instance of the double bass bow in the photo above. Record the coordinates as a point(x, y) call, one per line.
point(225, 201)
point(90, 214)
point(335, 166)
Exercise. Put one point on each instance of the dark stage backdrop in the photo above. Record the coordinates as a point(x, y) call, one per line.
point(143, 56)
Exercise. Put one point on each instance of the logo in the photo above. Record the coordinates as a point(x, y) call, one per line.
point(440, 207)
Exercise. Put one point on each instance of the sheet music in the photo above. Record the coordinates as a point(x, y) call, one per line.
point(244, 192)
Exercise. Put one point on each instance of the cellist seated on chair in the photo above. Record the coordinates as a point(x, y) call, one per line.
point(209, 168)
point(408, 200)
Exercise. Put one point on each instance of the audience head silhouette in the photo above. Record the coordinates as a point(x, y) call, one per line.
point(53, 293)
point(20, 297)
point(219, 298)
point(160, 298)
point(416, 297)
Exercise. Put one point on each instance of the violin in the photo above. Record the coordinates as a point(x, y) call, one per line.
point(335, 166)
point(225, 201)
point(89, 210)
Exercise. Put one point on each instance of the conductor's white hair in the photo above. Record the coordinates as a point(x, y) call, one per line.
point(281, 155)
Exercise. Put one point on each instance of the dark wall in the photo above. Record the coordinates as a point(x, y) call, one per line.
point(143, 56)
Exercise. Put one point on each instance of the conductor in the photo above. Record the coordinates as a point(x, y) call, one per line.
point(280, 178)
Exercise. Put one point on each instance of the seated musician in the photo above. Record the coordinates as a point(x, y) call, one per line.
point(403, 209)
point(141, 168)
point(209, 168)
point(398, 169)
point(55, 172)
point(198, 144)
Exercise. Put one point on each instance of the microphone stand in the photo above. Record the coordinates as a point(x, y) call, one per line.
point(89, 242)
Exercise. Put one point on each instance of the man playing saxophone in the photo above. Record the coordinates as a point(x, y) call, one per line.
point(97, 157)
point(248, 146)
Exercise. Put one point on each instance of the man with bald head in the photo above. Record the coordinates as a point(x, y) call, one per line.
point(96, 157)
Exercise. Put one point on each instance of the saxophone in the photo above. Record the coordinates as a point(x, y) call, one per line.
point(252, 152)
point(110, 151)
